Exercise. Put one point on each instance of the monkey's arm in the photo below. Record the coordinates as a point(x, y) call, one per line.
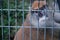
point(57, 19)
point(18, 35)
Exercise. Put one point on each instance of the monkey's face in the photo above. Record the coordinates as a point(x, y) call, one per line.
point(38, 14)
point(40, 17)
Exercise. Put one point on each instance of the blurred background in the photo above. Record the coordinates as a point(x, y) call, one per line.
point(11, 15)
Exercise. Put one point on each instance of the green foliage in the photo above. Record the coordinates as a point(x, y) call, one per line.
point(12, 17)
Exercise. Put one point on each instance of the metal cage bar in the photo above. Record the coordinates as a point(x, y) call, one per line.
point(45, 28)
point(23, 20)
point(16, 2)
point(9, 17)
point(30, 20)
point(1, 5)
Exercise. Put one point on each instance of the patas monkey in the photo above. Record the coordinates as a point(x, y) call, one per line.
point(43, 18)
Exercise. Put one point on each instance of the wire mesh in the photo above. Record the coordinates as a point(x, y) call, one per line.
point(15, 17)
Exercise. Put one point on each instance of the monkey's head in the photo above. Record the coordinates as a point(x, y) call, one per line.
point(38, 14)
point(40, 17)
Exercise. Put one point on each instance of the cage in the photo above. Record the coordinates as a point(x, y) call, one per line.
point(13, 15)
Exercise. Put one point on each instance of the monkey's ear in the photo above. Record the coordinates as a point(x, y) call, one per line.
point(35, 4)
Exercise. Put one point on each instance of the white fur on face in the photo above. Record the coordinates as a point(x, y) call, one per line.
point(42, 20)
point(40, 23)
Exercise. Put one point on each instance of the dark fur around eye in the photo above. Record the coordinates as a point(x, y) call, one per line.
point(35, 11)
point(39, 11)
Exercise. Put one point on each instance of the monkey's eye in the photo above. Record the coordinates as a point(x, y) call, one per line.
point(38, 13)
point(34, 11)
